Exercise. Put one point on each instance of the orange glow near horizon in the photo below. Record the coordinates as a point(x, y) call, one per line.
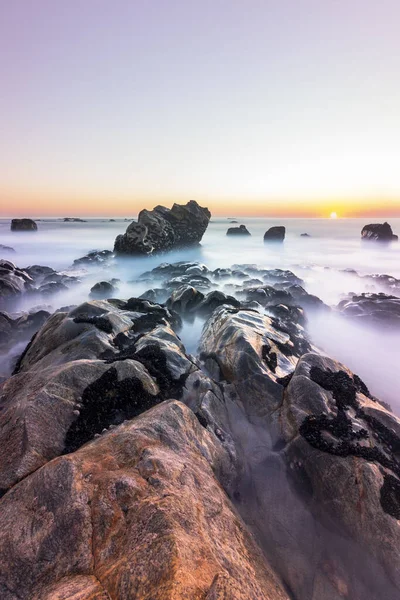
point(63, 205)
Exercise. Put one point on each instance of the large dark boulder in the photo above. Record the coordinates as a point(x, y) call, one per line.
point(23, 225)
point(378, 232)
point(162, 229)
point(241, 230)
point(275, 234)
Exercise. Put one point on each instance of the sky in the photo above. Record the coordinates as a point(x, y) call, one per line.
point(251, 107)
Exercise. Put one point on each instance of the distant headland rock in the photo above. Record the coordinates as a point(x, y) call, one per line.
point(23, 225)
point(73, 220)
point(275, 234)
point(162, 229)
point(378, 232)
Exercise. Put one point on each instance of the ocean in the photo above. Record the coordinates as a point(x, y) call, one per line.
point(323, 260)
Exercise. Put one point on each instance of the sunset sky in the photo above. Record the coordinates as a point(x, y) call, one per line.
point(251, 107)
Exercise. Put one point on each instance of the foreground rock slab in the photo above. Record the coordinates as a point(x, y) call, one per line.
point(85, 371)
point(343, 452)
point(138, 513)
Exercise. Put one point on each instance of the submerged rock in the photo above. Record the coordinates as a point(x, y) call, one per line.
point(23, 225)
point(97, 257)
point(275, 234)
point(379, 232)
point(375, 309)
point(241, 230)
point(163, 229)
point(6, 250)
point(167, 271)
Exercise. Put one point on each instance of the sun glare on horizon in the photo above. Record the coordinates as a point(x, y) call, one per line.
point(333, 215)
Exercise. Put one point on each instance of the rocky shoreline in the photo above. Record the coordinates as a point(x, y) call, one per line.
point(125, 461)
point(252, 467)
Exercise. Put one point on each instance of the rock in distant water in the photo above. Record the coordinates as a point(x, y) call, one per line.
point(23, 225)
point(275, 234)
point(163, 229)
point(74, 220)
point(305, 235)
point(241, 230)
point(379, 232)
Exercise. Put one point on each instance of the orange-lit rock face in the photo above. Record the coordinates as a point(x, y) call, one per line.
point(138, 513)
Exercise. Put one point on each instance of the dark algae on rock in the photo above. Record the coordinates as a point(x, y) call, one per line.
point(343, 440)
point(106, 402)
point(257, 459)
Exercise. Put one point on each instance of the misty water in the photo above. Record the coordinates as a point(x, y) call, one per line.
point(323, 260)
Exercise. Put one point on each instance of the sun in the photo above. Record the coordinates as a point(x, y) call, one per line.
point(333, 215)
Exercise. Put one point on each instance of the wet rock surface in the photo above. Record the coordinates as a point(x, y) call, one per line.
point(253, 468)
point(13, 283)
point(163, 229)
point(346, 444)
point(373, 309)
point(138, 513)
point(97, 257)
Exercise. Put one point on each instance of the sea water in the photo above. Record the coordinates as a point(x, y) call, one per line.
point(323, 260)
